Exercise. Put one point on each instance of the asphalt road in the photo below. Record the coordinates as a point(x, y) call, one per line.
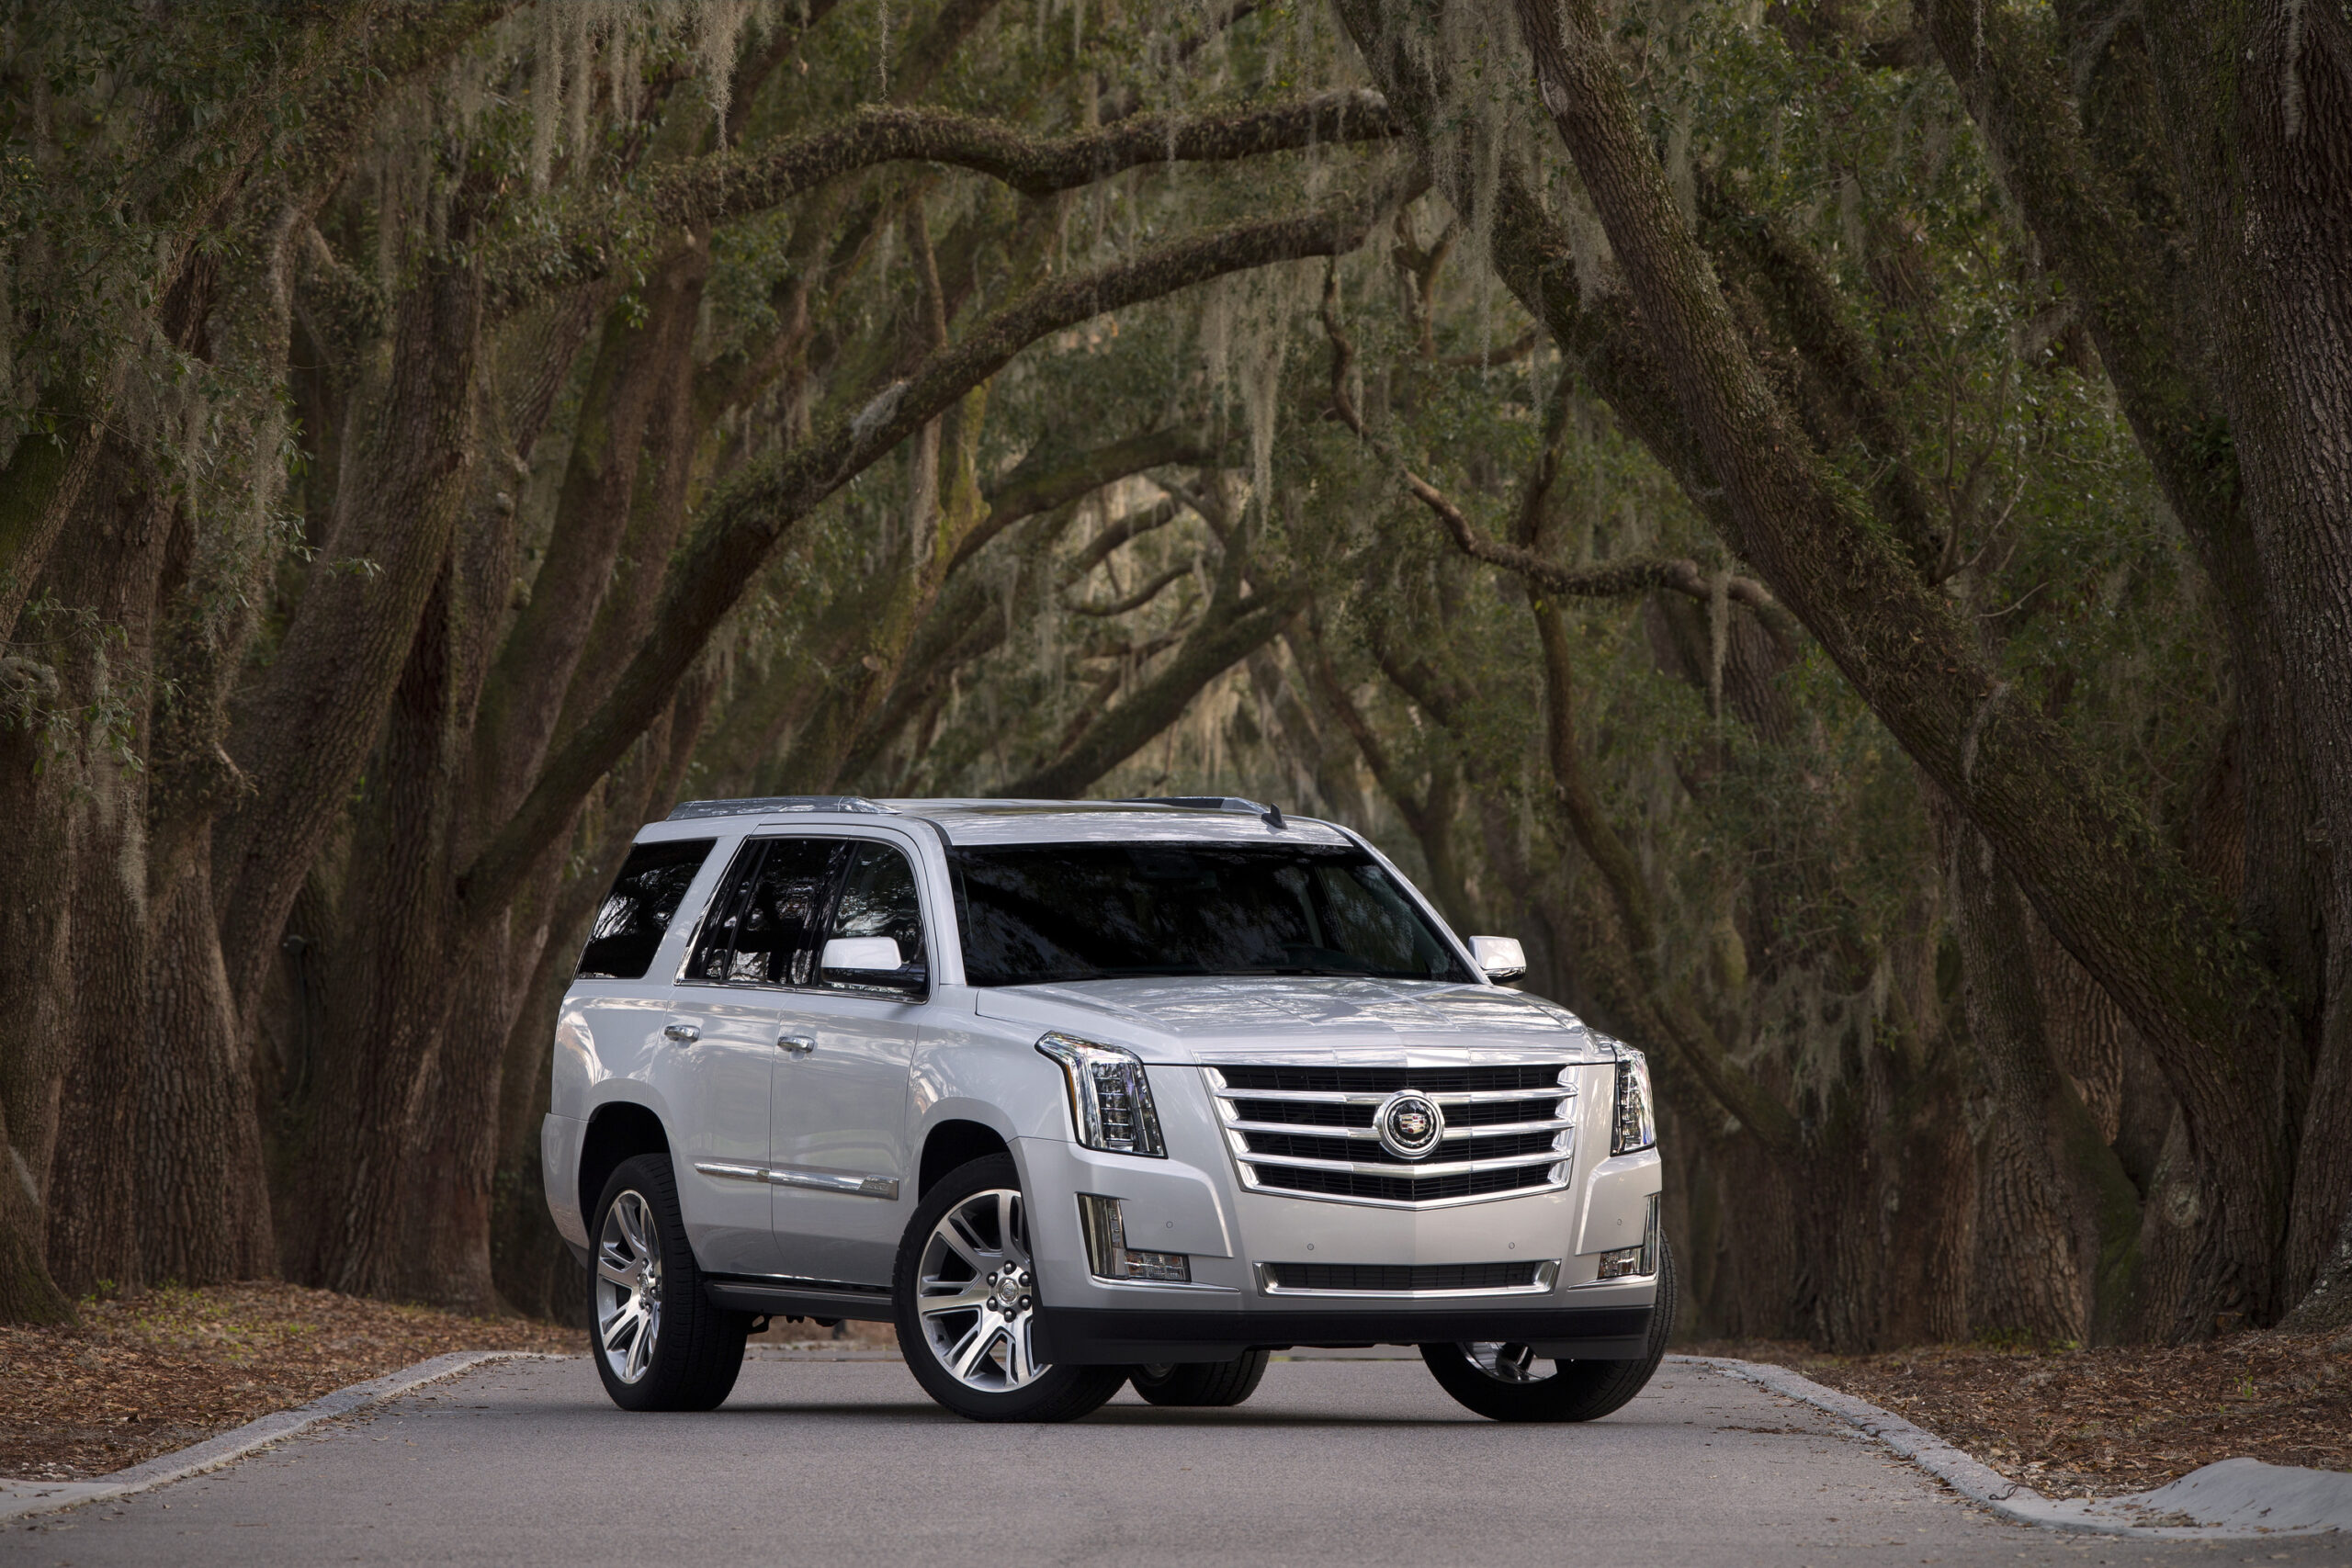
point(1355, 1463)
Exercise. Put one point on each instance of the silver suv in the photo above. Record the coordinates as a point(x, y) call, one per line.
point(1078, 1093)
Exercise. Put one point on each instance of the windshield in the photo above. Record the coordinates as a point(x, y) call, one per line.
point(1036, 913)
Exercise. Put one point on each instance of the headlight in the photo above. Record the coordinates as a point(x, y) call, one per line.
point(1110, 1098)
point(1636, 1125)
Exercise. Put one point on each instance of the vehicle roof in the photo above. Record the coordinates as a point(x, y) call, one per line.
point(981, 821)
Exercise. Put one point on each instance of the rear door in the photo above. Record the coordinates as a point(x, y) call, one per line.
point(626, 1010)
point(839, 1148)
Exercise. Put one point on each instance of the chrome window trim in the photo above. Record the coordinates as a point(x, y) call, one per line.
point(857, 835)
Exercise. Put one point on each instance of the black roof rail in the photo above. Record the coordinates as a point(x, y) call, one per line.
point(770, 804)
point(1272, 816)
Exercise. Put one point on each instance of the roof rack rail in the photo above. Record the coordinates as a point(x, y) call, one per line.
point(770, 804)
point(1272, 816)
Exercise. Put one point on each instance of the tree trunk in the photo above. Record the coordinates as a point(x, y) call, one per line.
point(36, 930)
point(392, 982)
point(2059, 1234)
point(207, 1212)
point(111, 564)
point(441, 1253)
point(407, 470)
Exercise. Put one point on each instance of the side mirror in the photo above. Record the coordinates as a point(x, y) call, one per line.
point(1500, 956)
point(860, 955)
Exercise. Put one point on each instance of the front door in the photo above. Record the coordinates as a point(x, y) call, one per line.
point(843, 1179)
point(719, 1050)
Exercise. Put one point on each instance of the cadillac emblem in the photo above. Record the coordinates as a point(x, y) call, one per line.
point(1409, 1125)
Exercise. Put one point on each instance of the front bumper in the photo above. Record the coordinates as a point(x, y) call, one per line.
point(1232, 1304)
point(1089, 1336)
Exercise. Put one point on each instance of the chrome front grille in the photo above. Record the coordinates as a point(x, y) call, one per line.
point(1310, 1131)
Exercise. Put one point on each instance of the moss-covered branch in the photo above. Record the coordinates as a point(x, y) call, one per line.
point(725, 186)
point(744, 521)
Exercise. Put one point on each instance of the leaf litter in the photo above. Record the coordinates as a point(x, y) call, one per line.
point(2100, 1422)
point(141, 1376)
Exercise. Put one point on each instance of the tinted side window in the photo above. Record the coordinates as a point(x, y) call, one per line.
point(880, 900)
point(769, 926)
point(636, 913)
point(716, 940)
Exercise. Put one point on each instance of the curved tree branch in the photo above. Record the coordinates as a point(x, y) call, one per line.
point(1216, 646)
point(1609, 579)
point(725, 186)
point(1140, 598)
point(748, 516)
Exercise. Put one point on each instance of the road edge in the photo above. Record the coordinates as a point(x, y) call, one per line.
point(22, 1499)
point(1971, 1477)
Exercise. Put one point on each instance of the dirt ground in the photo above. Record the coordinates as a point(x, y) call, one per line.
point(2096, 1423)
point(141, 1377)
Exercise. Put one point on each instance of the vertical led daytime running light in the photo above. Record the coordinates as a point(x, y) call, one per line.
point(1110, 1096)
point(1636, 1121)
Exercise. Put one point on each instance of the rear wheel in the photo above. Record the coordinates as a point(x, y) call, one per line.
point(966, 1294)
point(1506, 1382)
point(661, 1345)
point(1200, 1383)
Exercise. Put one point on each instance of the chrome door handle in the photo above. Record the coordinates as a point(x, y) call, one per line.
point(796, 1044)
point(686, 1033)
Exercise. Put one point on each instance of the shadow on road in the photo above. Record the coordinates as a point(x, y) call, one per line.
point(1109, 1415)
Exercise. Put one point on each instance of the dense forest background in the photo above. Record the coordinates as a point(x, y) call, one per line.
point(1831, 520)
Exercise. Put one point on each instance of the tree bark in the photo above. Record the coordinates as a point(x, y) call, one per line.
point(110, 568)
point(408, 465)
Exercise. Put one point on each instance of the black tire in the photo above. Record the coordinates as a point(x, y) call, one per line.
point(1577, 1391)
point(1201, 1383)
point(696, 1349)
point(1027, 1392)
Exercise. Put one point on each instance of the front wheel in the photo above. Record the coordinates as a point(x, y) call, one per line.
point(1506, 1382)
point(966, 1295)
point(659, 1344)
point(1202, 1385)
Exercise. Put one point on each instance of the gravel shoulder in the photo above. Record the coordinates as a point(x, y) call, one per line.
point(2100, 1423)
point(141, 1377)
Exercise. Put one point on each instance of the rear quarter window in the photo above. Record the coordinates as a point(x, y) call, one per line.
point(635, 914)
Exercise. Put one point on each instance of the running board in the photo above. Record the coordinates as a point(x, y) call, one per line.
point(801, 1298)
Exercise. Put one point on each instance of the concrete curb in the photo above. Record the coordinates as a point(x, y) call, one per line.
point(1981, 1482)
point(19, 1499)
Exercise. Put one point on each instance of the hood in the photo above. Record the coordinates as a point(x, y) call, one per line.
point(1284, 1018)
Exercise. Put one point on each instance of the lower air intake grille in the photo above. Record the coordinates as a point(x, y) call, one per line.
point(1401, 1277)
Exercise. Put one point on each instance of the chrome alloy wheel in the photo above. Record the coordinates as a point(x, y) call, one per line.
point(1504, 1362)
point(629, 1287)
point(977, 1292)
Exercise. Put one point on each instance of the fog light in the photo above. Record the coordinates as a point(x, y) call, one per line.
point(1108, 1255)
point(1625, 1263)
point(1635, 1262)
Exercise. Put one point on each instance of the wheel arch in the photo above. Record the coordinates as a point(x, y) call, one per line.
point(620, 1130)
point(955, 1141)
